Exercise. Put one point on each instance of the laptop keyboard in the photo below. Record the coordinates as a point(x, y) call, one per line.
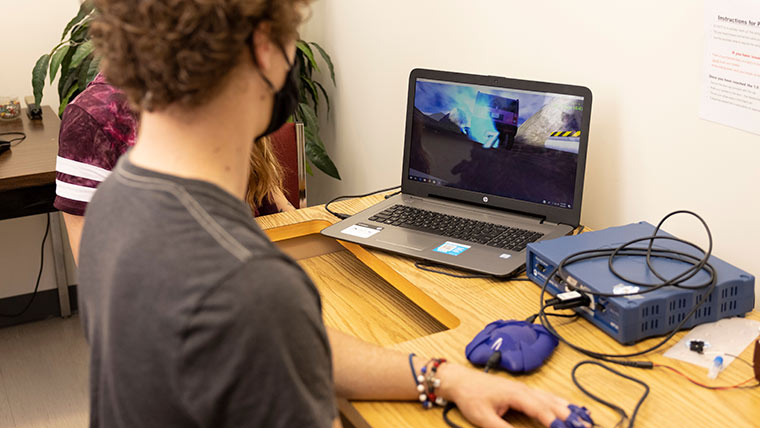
point(479, 232)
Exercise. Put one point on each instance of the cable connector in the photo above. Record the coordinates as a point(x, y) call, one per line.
point(493, 361)
point(569, 300)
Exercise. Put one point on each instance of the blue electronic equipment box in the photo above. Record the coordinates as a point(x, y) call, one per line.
point(630, 319)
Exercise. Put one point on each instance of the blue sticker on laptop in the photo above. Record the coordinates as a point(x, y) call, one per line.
point(452, 248)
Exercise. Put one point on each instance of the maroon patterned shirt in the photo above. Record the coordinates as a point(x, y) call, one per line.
point(97, 128)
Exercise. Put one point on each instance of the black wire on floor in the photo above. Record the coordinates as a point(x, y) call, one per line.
point(39, 275)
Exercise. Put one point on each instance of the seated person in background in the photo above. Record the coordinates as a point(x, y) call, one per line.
point(194, 318)
point(98, 127)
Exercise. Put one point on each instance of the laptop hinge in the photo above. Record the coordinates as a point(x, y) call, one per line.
point(537, 218)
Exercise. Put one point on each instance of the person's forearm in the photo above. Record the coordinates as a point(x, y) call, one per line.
point(366, 371)
point(363, 371)
point(282, 202)
point(74, 225)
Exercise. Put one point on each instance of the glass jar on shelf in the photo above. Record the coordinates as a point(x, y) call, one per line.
point(10, 108)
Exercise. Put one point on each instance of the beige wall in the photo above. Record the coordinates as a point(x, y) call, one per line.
point(649, 153)
point(35, 27)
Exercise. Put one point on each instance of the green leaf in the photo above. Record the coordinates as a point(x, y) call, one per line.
point(327, 59)
point(304, 47)
point(310, 122)
point(308, 167)
point(65, 100)
point(319, 157)
point(80, 31)
point(301, 62)
point(308, 117)
point(64, 73)
point(310, 135)
point(313, 93)
point(84, 10)
point(65, 89)
point(39, 72)
point(93, 69)
point(324, 92)
point(82, 74)
point(55, 61)
point(81, 52)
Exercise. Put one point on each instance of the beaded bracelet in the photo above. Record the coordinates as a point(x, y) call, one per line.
point(427, 382)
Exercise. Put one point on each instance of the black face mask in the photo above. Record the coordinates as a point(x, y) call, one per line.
point(285, 100)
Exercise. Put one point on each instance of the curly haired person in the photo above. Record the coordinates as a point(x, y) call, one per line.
point(193, 316)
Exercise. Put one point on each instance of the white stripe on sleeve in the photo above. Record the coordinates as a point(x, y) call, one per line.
point(80, 169)
point(73, 191)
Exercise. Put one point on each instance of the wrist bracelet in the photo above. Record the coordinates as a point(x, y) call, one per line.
point(427, 382)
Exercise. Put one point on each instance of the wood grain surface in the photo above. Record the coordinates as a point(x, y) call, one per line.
point(32, 162)
point(473, 303)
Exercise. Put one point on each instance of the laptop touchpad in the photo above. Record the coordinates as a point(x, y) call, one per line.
point(404, 239)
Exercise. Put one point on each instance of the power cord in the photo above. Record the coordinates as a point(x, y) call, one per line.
point(18, 140)
point(344, 216)
point(741, 385)
point(7, 144)
point(39, 275)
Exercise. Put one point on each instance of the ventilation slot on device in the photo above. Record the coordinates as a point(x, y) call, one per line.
point(649, 317)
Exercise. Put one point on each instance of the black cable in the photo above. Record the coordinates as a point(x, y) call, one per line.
point(39, 275)
point(450, 405)
point(18, 140)
point(531, 319)
point(343, 216)
point(427, 267)
point(616, 408)
point(435, 268)
point(697, 264)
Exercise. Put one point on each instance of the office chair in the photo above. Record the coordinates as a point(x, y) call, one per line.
point(289, 146)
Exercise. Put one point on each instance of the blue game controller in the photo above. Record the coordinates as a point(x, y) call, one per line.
point(524, 346)
point(579, 418)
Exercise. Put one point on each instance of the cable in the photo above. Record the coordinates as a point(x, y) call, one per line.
point(435, 268)
point(697, 265)
point(616, 408)
point(715, 388)
point(39, 275)
point(531, 319)
point(740, 359)
point(428, 267)
point(18, 140)
point(343, 216)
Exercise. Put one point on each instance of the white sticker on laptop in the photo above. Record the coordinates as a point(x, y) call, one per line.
point(505, 256)
point(452, 248)
point(362, 230)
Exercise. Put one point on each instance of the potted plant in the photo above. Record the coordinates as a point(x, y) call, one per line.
point(78, 64)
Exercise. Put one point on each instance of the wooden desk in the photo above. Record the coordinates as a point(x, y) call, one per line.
point(411, 310)
point(27, 184)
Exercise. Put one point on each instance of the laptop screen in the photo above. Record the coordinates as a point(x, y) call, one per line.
point(512, 143)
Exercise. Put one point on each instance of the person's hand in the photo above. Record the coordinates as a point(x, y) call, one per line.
point(483, 399)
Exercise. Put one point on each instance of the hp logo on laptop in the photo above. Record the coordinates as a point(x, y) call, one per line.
point(485, 199)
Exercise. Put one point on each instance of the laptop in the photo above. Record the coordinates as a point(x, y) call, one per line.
point(490, 165)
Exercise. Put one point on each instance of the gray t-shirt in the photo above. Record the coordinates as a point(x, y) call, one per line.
point(194, 318)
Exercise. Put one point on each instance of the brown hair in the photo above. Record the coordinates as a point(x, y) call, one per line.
point(266, 174)
point(164, 52)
